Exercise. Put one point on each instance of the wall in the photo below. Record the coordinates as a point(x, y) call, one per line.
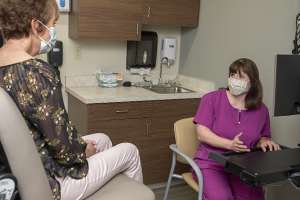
point(254, 29)
point(108, 55)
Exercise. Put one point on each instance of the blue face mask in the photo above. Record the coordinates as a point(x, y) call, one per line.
point(47, 46)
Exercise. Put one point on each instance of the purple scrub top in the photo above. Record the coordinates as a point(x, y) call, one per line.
point(216, 113)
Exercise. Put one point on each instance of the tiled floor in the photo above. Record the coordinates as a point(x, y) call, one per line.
point(176, 192)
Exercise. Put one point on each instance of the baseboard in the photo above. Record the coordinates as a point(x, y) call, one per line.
point(164, 184)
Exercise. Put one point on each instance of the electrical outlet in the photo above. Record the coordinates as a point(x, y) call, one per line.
point(77, 53)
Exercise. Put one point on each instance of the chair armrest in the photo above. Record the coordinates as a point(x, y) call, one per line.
point(191, 162)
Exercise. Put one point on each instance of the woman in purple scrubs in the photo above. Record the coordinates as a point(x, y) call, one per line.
point(233, 119)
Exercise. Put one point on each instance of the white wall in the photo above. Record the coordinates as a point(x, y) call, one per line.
point(255, 29)
point(109, 55)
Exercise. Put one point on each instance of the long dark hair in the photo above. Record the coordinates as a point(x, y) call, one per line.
point(255, 94)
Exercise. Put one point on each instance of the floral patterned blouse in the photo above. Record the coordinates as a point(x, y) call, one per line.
point(36, 90)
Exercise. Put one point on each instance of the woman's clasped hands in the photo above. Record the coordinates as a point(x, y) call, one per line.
point(91, 148)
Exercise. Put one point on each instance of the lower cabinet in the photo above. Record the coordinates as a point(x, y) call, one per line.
point(147, 124)
point(162, 136)
point(135, 131)
point(164, 115)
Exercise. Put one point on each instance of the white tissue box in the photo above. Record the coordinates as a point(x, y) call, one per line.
point(108, 80)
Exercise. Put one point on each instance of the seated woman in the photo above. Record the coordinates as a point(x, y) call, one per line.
point(232, 119)
point(75, 166)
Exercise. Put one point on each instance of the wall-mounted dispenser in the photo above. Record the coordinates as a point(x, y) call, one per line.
point(142, 54)
point(168, 50)
point(64, 5)
point(167, 54)
point(55, 56)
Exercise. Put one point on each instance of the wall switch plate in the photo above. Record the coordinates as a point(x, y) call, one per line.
point(77, 53)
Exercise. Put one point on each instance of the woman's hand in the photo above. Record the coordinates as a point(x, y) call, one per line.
point(91, 141)
point(265, 142)
point(90, 149)
point(237, 144)
point(206, 135)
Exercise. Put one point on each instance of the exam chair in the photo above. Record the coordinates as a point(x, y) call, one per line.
point(184, 151)
point(27, 168)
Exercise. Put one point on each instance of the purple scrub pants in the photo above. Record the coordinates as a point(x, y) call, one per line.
point(220, 185)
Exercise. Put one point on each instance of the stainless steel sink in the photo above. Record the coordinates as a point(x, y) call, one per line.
point(163, 89)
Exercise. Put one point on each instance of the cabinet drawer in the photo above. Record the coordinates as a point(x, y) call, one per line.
point(126, 110)
point(175, 107)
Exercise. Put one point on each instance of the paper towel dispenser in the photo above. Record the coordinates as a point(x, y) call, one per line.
point(142, 54)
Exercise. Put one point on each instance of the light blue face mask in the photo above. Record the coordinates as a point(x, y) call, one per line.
point(47, 46)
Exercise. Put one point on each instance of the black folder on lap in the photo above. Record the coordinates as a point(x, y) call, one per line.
point(258, 168)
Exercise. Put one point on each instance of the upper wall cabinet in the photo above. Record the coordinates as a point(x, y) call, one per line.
point(106, 19)
point(171, 12)
point(123, 19)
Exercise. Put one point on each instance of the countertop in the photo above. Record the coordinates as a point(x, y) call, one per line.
point(86, 89)
point(96, 94)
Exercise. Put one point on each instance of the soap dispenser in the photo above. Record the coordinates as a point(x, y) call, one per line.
point(168, 50)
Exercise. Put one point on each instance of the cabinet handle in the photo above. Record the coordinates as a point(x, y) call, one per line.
point(122, 111)
point(137, 29)
point(149, 12)
point(147, 133)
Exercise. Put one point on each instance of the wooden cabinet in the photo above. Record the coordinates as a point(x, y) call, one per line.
point(135, 131)
point(122, 20)
point(122, 122)
point(171, 12)
point(106, 19)
point(146, 124)
point(165, 114)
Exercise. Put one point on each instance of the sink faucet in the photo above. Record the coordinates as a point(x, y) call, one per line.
point(151, 83)
point(162, 61)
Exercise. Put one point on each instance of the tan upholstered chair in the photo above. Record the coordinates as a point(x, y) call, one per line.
point(184, 151)
point(27, 167)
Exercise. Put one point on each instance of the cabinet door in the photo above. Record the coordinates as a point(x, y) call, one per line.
point(135, 131)
point(171, 12)
point(165, 113)
point(106, 19)
point(162, 136)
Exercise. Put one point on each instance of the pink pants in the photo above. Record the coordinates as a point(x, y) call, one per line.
point(219, 185)
point(122, 158)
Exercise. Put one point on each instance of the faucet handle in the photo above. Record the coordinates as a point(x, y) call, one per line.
point(173, 82)
point(144, 78)
point(165, 59)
